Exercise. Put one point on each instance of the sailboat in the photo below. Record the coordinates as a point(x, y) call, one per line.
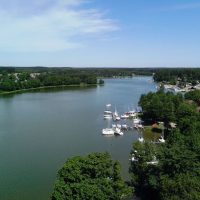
point(116, 115)
point(118, 131)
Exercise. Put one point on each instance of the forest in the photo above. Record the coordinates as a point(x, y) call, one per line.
point(172, 75)
point(18, 78)
point(28, 79)
point(99, 72)
point(176, 175)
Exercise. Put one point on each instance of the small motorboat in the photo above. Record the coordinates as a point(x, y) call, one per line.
point(108, 131)
point(107, 116)
point(124, 116)
point(136, 121)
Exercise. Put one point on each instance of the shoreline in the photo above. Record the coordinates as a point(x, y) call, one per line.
point(65, 86)
point(46, 87)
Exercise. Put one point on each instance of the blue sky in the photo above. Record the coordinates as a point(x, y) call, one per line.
point(100, 33)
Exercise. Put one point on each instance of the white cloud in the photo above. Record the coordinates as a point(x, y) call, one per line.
point(49, 25)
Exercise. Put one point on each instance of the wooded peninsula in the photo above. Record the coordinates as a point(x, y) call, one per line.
point(22, 78)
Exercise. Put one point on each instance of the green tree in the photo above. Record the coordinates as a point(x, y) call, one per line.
point(95, 176)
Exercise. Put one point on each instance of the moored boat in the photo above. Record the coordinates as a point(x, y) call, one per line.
point(107, 114)
point(136, 121)
point(124, 116)
point(108, 131)
point(118, 131)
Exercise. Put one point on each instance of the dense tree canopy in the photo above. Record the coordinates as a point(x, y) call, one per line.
point(194, 96)
point(160, 106)
point(173, 74)
point(176, 175)
point(26, 80)
point(95, 177)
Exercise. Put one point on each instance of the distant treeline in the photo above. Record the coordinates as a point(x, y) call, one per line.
point(12, 79)
point(18, 78)
point(99, 72)
point(173, 75)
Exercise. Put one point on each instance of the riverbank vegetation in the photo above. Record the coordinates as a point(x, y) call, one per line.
point(170, 170)
point(95, 176)
point(19, 78)
point(23, 78)
point(29, 80)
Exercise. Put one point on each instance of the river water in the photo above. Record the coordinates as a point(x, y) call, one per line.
point(40, 130)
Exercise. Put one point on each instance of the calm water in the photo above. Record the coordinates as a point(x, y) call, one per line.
point(39, 131)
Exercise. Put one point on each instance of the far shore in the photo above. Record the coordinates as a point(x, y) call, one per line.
point(46, 87)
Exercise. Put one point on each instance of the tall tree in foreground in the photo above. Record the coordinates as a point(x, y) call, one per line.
point(95, 177)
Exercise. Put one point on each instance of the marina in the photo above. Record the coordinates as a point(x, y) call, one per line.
point(120, 123)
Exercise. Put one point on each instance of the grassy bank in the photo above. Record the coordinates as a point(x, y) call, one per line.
point(152, 133)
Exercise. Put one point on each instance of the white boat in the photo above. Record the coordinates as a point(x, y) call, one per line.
point(107, 131)
point(161, 139)
point(107, 112)
point(107, 116)
point(133, 159)
point(116, 115)
point(140, 126)
point(117, 118)
point(118, 131)
point(124, 116)
point(136, 121)
point(153, 162)
point(131, 113)
point(108, 105)
point(141, 139)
